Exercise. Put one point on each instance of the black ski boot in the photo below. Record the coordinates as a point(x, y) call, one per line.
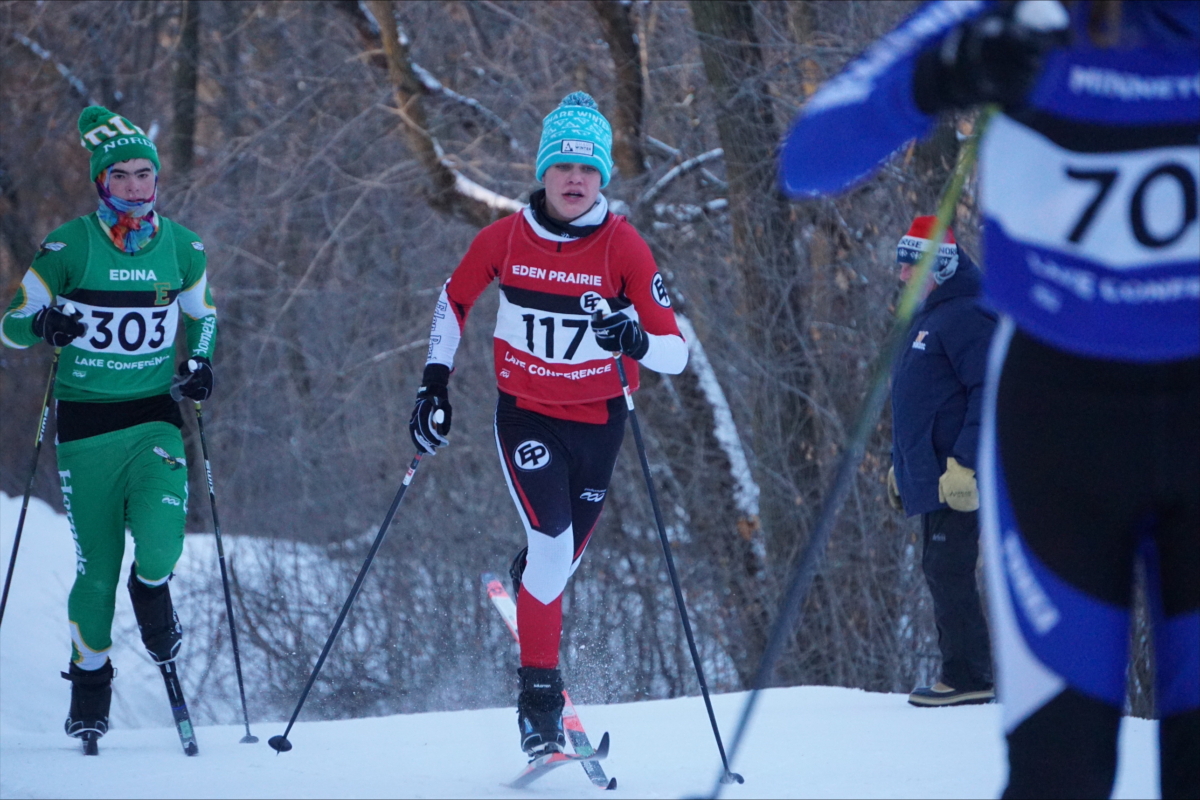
point(156, 618)
point(91, 696)
point(539, 711)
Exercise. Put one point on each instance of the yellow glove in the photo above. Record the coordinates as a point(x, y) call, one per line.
point(957, 487)
point(894, 491)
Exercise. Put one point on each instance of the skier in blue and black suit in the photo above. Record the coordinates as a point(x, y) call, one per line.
point(1089, 457)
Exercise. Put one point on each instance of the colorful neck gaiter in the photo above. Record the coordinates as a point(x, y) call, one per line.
point(130, 224)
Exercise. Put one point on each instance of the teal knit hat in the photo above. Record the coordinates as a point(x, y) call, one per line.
point(576, 133)
point(112, 138)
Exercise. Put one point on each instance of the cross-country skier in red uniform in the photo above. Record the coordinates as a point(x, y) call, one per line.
point(560, 418)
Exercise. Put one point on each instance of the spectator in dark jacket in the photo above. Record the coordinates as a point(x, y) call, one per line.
point(937, 399)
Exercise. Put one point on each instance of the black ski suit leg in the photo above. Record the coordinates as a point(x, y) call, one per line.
point(1090, 467)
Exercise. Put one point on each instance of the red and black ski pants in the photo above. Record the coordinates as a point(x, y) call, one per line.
point(558, 473)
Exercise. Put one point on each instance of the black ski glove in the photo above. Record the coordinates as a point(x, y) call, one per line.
point(430, 421)
point(59, 325)
point(195, 380)
point(993, 58)
point(620, 333)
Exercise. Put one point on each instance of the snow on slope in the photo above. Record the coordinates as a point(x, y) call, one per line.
point(803, 742)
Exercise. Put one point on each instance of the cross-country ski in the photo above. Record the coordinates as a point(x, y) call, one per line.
point(543, 764)
point(179, 709)
point(578, 737)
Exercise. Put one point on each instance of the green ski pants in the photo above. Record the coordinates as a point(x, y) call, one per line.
point(135, 478)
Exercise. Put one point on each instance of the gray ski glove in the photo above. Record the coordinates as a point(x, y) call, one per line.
point(430, 421)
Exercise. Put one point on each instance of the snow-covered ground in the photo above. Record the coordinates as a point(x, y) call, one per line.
point(803, 742)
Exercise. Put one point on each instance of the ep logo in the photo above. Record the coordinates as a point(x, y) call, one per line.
point(531, 455)
point(591, 302)
point(659, 289)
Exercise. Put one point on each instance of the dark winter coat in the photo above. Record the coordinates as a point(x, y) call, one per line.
point(937, 388)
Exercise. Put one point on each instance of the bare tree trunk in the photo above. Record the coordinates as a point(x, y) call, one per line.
point(773, 286)
point(22, 370)
point(231, 115)
point(445, 196)
point(187, 61)
point(13, 230)
point(749, 135)
point(628, 153)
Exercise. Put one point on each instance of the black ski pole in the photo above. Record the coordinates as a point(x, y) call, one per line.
point(280, 743)
point(729, 776)
point(37, 450)
point(249, 738)
point(806, 565)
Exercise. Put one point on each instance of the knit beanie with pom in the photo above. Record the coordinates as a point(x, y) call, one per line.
point(576, 133)
point(111, 138)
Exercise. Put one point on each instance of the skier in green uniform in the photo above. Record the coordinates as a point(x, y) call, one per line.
point(107, 289)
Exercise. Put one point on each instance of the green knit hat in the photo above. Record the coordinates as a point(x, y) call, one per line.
point(111, 138)
point(576, 133)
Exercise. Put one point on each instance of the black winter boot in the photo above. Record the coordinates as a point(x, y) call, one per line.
point(539, 710)
point(156, 618)
point(91, 696)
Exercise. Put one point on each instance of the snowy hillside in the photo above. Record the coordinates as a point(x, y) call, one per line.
point(804, 742)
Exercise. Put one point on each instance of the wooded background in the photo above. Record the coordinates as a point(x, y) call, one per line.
point(337, 158)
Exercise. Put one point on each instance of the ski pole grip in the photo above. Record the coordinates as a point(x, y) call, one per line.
point(71, 311)
point(596, 305)
point(179, 380)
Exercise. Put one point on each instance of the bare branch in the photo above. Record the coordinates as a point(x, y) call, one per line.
point(677, 170)
point(183, 86)
point(434, 85)
point(368, 30)
point(384, 355)
point(408, 90)
point(77, 85)
point(451, 191)
point(687, 212)
point(676, 154)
